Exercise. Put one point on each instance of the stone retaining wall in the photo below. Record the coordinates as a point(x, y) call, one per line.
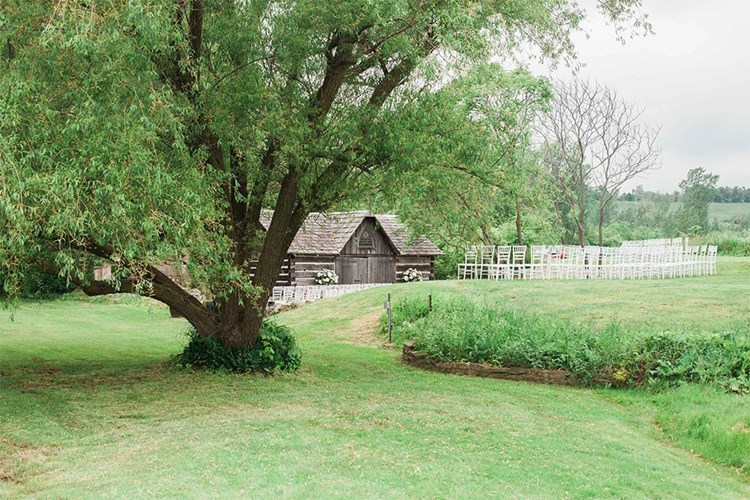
point(537, 375)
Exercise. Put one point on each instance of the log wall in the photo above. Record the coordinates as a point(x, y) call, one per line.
point(424, 264)
point(303, 268)
point(285, 276)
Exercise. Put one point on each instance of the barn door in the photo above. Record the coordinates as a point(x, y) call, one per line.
point(352, 270)
point(381, 269)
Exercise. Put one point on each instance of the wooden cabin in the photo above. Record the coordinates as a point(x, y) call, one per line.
point(359, 246)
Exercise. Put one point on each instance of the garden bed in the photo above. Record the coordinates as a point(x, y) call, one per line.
point(466, 337)
point(421, 360)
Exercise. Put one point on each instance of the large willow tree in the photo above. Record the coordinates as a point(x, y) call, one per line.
point(148, 131)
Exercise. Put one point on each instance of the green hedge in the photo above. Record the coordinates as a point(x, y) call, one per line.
point(462, 330)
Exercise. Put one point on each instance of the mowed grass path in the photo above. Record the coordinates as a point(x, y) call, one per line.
point(90, 408)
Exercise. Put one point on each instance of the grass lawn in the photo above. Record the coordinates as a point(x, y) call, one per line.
point(90, 408)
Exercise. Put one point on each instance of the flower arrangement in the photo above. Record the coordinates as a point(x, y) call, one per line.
point(412, 274)
point(326, 277)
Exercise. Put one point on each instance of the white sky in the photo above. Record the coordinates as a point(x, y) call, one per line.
point(692, 77)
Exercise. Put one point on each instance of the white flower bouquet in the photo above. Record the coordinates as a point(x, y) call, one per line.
point(326, 277)
point(411, 274)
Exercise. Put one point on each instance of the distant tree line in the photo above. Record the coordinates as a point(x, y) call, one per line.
point(736, 194)
point(722, 194)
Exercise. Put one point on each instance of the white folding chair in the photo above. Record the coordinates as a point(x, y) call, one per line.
point(591, 262)
point(519, 261)
point(487, 261)
point(713, 252)
point(554, 261)
point(576, 258)
point(468, 270)
point(536, 266)
point(502, 263)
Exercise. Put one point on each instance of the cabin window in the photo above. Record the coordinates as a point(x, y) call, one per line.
point(366, 240)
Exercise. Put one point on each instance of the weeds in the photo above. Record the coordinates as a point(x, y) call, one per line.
point(464, 331)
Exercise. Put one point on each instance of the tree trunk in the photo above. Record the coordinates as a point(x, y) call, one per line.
point(601, 226)
point(581, 220)
point(581, 237)
point(519, 231)
point(241, 316)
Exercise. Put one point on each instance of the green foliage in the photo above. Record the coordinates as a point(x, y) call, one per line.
point(484, 171)
point(698, 190)
point(405, 312)
point(275, 351)
point(148, 130)
point(462, 330)
point(736, 194)
point(33, 284)
point(733, 244)
point(446, 265)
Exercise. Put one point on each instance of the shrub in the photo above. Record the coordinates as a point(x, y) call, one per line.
point(446, 265)
point(733, 244)
point(326, 277)
point(275, 351)
point(461, 330)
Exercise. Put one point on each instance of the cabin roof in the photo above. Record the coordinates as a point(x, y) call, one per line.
point(328, 233)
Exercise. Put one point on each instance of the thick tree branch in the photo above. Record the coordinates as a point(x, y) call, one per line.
point(162, 288)
point(398, 75)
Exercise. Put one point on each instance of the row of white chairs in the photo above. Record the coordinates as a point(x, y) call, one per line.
point(649, 259)
point(682, 241)
point(493, 262)
point(291, 294)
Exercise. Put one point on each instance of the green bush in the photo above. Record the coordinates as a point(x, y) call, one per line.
point(732, 244)
point(734, 247)
point(446, 265)
point(275, 351)
point(464, 331)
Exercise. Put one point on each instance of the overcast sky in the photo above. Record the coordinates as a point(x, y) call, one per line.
point(692, 77)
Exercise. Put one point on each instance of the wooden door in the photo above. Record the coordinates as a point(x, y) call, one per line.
point(352, 270)
point(373, 269)
point(381, 269)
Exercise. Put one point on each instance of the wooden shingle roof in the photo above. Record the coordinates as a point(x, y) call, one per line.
point(328, 233)
point(399, 236)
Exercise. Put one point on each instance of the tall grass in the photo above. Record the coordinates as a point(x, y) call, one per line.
point(462, 330)
point(730, 244)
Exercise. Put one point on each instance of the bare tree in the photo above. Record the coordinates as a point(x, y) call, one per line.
point(595, 140)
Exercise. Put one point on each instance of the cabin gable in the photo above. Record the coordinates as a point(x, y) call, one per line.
point(369, 239)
